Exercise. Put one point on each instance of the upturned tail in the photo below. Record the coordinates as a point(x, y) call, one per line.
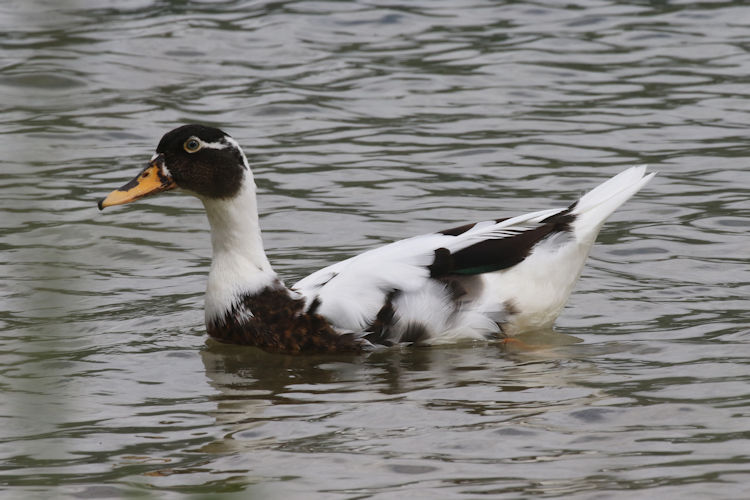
point(593, 208)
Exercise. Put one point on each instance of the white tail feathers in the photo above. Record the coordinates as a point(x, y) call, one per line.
point(595, 206)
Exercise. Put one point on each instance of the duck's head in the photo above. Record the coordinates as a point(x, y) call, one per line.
point(201, 160)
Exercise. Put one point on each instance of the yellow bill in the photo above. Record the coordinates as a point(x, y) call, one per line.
point(150, 181)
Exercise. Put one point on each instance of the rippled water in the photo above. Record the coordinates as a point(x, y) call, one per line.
point(367, 122)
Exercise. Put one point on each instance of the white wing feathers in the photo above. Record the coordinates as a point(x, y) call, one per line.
point(354, 290)
point(528, 262)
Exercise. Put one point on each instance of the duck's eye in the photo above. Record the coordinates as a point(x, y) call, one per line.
point(192, 145)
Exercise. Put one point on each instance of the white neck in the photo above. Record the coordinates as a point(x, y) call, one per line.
point(239, 264)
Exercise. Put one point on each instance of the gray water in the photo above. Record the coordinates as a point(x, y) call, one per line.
point(366, 122)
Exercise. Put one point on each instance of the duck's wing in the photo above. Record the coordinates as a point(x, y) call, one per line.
point(353, 293)
point(471, 277)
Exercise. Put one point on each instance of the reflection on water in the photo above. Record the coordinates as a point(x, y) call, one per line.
point(279, 404)
point(364, 124)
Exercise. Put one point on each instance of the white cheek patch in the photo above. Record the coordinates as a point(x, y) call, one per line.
point(155, 156)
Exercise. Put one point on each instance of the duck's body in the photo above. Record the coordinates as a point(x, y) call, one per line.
point(478, 281)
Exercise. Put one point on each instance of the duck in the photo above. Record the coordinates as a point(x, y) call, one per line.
point(480, 281)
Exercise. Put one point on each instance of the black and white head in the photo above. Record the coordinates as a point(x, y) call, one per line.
point(201, 160)
point(209, 164)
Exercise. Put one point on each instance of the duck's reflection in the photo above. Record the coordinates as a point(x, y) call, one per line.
point(259, 394)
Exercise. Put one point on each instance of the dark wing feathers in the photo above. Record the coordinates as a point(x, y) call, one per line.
point(495, 254)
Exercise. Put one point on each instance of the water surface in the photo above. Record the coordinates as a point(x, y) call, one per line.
point(365, 123)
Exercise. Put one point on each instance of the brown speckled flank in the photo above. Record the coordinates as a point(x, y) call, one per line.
point(279, 324)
